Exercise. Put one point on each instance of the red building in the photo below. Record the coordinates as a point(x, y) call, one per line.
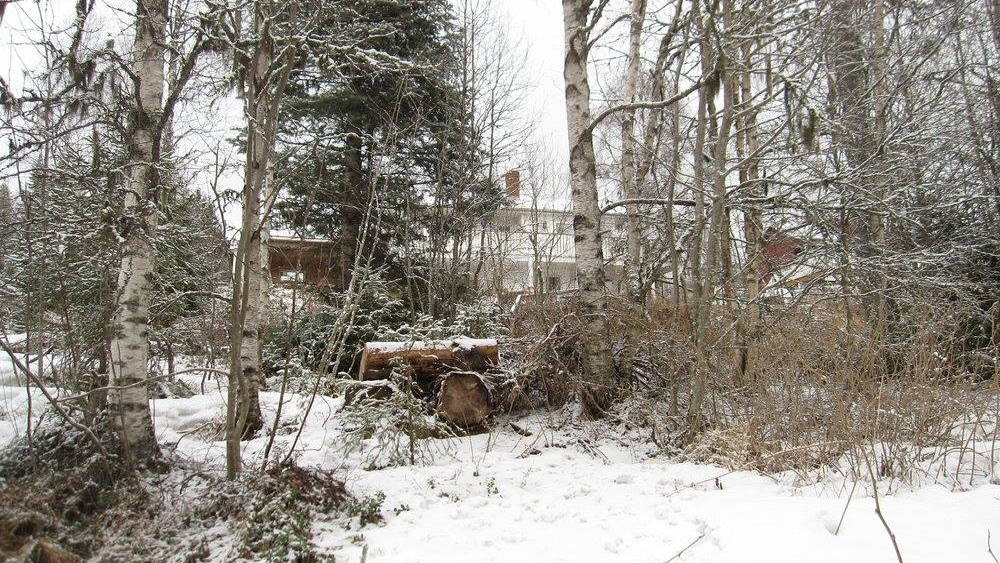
point(314, 262)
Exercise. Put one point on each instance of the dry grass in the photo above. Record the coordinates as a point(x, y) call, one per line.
point(820, 392)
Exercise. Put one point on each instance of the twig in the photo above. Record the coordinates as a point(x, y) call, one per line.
point(52, 401)
point(878, 511)
point(284, 385)
point(87, 394)
point(687, 547)
point(593, 450)
point(762, 458)
point(519, 429)
point(201, 369)
point(844, 513)
point(989, 547)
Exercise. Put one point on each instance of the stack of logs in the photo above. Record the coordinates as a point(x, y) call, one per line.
point(452, 372)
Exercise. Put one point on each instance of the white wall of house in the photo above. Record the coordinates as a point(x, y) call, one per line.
point(529, 249)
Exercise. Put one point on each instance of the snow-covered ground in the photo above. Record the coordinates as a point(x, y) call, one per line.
point(576, 492)
point(564, 505)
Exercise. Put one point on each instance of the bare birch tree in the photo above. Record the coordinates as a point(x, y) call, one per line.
point(130, 343)
point(271, 57)
point(630, 179)
point(579, 22)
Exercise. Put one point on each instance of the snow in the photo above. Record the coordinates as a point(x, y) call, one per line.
point(8, 374)
point(562, 504)
point(576, 492)
point(461, 343)
point(14, 404)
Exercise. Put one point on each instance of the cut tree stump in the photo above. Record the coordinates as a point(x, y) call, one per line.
point(464, 399)
point(428, 359)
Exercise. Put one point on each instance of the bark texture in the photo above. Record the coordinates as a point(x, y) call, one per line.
point(630, 178)
point(586, 212)
point(266, 82)
point(130, 340)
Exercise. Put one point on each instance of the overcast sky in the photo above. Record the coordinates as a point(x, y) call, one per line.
point(539, 24)
point(536, 23)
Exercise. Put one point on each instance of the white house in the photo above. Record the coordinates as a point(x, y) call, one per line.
point(529, 245)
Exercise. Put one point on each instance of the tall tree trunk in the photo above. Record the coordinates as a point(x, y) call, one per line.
point(850, 90)
point(252, 280)
point(351, 214)
point(586, 212)
point(264, 93)
point(716, 176)
point(698, 168)
point(879, 92)
point(753, 235)
point(130, 341)
point(259, 145)
point(630, 181)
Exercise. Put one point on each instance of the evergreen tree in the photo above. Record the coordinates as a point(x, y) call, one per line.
point(386, 117)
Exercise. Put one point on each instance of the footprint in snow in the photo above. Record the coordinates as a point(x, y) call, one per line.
point(614, 546)
point(829, 521)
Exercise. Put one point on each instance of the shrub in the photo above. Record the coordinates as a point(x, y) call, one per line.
point(275, 524)
point(392, 430)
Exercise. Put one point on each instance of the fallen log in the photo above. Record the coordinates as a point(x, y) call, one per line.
point(449, 374)
point(428, 359)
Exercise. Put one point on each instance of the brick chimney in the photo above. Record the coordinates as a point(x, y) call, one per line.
point(513, 184)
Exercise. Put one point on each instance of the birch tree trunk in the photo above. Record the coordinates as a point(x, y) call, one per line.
point(130, 340)
point(715, 175)
point(879, 91)
point(859, 81)
point(586, 212)
point(698, 168)
point(245, 329)
point(265, 89)
point(252, 279)
point(630, 182)
point(847, 88)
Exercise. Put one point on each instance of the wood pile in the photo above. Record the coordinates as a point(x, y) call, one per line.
point(452, 372)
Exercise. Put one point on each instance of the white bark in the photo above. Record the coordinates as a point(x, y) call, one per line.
point(130, 343)
point(630, 181)
point(753, 231)
point(586, 210)
point(266, 83)
point(714, 175)
point(879, 93)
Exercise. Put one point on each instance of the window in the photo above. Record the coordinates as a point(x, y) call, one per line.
point(291, 276)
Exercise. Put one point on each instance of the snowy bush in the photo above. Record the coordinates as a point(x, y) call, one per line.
point(276, 525)
point(475, 320)
point(301, 340)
